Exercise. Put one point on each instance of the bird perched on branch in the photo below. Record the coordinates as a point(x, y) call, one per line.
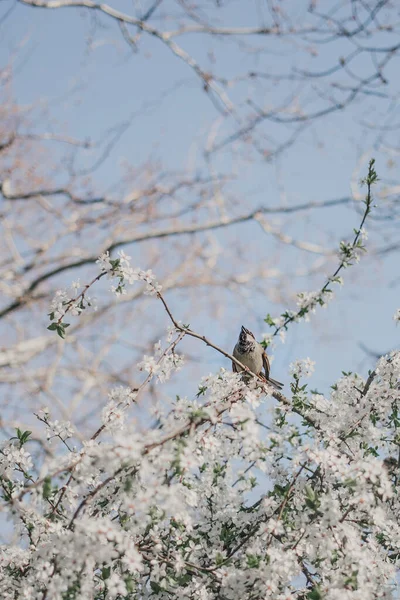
point(252, 355)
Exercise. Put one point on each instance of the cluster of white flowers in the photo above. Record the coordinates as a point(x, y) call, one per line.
point(120, 268)
point(11, 455)
point(60, 429)
point(113, 414)
point(152, 287)
point(57, 306)
point(63, 301)
point(162, 363)
point(307, 302)
point(212, 503)
point(302, 368)
point(73, 304)
point(104, 262)
point(350, 252)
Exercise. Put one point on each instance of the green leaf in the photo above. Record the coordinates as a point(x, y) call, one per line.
point(60, 328)
point(312, 500)
point(310, 493)
point(128, 484)
point(23, 436)
point(115, 263)
point(155, 587)
point(130, 586)
point(46, 489)
point(315, 594)
point(351, 581)
point(253, 561)
point(202, 391)
point(269, 320)
point(183, 579)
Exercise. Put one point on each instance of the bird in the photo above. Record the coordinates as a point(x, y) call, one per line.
point(252, 355)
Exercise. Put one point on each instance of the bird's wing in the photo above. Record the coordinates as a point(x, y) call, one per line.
point(266, 365)
point(234, 367)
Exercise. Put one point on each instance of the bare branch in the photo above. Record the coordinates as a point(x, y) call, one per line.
point(170, 232)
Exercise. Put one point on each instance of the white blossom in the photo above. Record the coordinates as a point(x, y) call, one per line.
point(75, 285)
point(104, 262)
point(62, 429)
point(113, 414)
point(302, 368)
point(57, 306)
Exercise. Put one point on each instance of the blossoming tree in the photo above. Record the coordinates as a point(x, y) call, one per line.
point(185, 131)
point(240, 492)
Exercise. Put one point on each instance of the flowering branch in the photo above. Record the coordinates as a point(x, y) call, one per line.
point(349, 252)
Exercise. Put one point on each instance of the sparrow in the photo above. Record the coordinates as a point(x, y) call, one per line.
point(251, 354)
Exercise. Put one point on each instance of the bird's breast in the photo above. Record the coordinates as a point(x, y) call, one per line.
point(252, 360)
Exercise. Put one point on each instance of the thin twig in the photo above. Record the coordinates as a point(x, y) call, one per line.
point(370, 179)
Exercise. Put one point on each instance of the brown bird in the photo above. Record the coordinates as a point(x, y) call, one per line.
point(252, 355)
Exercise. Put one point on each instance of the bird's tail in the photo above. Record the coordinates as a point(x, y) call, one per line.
point(277, 384)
